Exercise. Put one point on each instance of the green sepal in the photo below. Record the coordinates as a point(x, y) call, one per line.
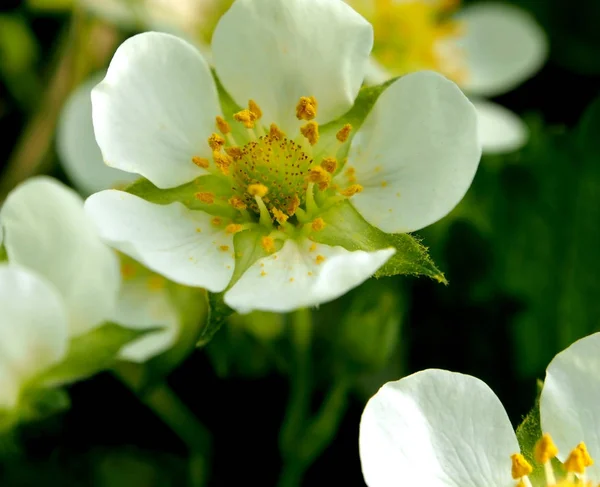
point(248, 250)
point(345, 227)
point(218, 312)
point(89, 354)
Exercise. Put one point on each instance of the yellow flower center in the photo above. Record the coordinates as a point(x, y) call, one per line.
point(413, 35)
point(545, 450)
point(276, 180)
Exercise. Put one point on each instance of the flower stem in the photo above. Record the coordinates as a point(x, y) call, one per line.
point(175, 414)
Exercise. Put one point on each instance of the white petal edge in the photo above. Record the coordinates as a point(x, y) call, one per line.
point(46, 230)
point(503, 46)
point(145, 303)
point(77, 148)
point(570, 397)
point(296, 277)
point(33, 330)
point(500, 130)
point(155, 109)
point(436, 428)
point(179, 243)
point(275, 51)
point(416, 153)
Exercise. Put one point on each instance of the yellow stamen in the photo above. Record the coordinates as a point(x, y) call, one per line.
point(237, 203)
point(268, 244)
point(320, 259)
point(351, 174)
point(294, 205)
point(222, 161)
point(587, 459)
point(520, 466)
point(246, 117)
point(318, 174)
point(201, 162)
point(208, 198)
point(224, 248)
point(311, 132)
point(313, 247)
point(279, 215)
point(254, 109)
point(329, 164)
point(318, 224)
point(234, 152)
point(257, 190)
point(545, 449)
point(223, 126)
point(215, 142)
point(344, 133)
point(306, 109)
point(576, 461)
point(216, 221)
point(233, 228)
point(351, 190)
point(276, 133)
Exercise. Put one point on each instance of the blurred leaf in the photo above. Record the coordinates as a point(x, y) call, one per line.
point(50, 5)
point(18, 47)
point(90, 353)
point(347, 228)
point(218, 312)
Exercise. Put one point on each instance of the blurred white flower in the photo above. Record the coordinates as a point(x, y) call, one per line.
point(301, 64)
point(444, 429)
point(487, 48)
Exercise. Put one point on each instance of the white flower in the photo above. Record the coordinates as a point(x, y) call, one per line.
point(487, 48)
point(34, 330)
point(444, 429)
point(301, 64)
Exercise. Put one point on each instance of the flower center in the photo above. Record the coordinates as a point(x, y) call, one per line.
point(274, 180)
point(545, 450)
point(414, 35)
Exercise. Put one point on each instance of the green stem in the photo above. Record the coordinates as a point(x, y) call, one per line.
point(300, 384)
point(175, 414)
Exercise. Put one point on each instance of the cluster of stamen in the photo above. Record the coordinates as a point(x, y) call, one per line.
point(545, 451)
point(273, 176)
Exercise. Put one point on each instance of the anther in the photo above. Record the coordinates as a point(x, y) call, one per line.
point(329, 164)
point(587, 459)
point(318, 174)
point(233, 228)
point(201, 162)
point(311, 132)
point(520, 466)
point(351, 174)
point(344, 133)
point(254, 109)
point(257, 190)
point(223, 126)
point(318, 224)
point(320, 259)
point(545, 449)
point(237, 203)
point(208, 198)
point(306, 109)
point(246, 117)
point(293, 205)
point(276, 133)
point(279, 215)
point(215, 142)
point(216, 221)
point(351, 190)
point(234, 152)
point(575, 463)
point(222, 161)
point(268, 244)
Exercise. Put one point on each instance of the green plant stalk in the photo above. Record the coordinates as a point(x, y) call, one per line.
point(171, 410)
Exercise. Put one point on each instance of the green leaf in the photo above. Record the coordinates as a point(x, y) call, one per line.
point(90, 353)
point(346, 227)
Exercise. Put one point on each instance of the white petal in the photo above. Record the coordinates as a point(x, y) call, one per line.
point(503, 46)
point(416, 154)
point(172, 240)
point(33, 329)
point(47, 231)
point(144, 304)
point(275, 51)
point(297, 277)
point(155, 109)
point(569, 402)
point(500, 130)
point(437, 429)
point(79, 153)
